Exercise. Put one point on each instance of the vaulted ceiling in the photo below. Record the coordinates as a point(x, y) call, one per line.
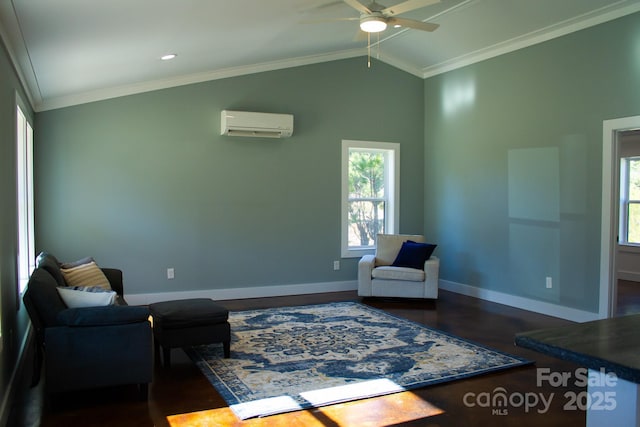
point(75, 51)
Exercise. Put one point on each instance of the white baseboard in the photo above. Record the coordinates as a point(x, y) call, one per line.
point(243, 293)
point(523, 303)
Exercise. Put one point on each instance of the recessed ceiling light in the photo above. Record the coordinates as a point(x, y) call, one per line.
point(168, 56)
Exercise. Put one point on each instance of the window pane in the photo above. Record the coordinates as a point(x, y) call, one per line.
point(26, 250)
point(366, 184)
point(634, 179)
point(366, 174)
point(366, 219)
point(633, 226)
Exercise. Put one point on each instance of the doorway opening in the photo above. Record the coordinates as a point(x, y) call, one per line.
point(612, 133)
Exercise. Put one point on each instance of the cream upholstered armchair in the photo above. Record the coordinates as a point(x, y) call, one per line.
point(401, 267)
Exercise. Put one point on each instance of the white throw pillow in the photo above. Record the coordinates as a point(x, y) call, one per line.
point(86, 296)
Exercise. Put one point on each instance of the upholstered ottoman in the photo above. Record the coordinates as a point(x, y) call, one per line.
point(188, 322)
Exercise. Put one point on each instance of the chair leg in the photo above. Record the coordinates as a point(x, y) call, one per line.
point(226, 345)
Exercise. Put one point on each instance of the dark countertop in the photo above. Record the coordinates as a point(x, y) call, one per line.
point(609, 344)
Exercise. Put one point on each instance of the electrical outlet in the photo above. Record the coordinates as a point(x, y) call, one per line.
point(170, 273)
point(336, 265)
point(549, 282)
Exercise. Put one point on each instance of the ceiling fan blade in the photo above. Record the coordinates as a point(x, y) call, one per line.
point(406, 6)
point(359, 6)
point(410, 23)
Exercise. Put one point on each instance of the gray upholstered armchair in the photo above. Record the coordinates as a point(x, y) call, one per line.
point(414, 275)
point(90, 346)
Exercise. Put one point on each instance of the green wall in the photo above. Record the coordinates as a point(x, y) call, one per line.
point(145, 182)
point(513, 162)
point(13, 319)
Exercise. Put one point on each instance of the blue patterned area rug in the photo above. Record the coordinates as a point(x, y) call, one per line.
point(292, 358)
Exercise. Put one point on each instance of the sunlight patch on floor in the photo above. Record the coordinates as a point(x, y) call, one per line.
point(390, 409)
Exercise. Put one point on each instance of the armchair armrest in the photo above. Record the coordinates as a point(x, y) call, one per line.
point(368, 261)
point(365, 267)
point(103, 316)
point(432, 276)
point(432, 265)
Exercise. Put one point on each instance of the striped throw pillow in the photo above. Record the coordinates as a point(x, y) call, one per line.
point(86, 274)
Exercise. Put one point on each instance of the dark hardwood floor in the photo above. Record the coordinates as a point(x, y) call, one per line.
point(183, 389)
point(628, 298)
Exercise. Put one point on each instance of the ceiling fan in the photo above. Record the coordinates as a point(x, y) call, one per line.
point(375, 17)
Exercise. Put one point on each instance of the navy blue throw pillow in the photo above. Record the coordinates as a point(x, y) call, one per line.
point(413, 254)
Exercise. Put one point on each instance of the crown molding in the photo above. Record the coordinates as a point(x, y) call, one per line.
point(596, 17)
point(400, 64)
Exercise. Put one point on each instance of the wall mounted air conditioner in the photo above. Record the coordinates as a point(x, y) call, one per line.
point(264, 125)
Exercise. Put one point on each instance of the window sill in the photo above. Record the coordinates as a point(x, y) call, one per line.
point(631, 248)
point(357, 253)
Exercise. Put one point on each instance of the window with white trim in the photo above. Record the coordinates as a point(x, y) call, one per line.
point(629, 233)
point(370, 194)
point(24, 178)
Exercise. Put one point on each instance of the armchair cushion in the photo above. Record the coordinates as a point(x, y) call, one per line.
point(398, 273)
point(413, 254)
point(100, 316)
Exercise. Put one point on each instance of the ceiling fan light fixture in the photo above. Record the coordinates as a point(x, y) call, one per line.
point(373, 24)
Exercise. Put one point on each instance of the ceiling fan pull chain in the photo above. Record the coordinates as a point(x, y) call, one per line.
point(368, 50)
